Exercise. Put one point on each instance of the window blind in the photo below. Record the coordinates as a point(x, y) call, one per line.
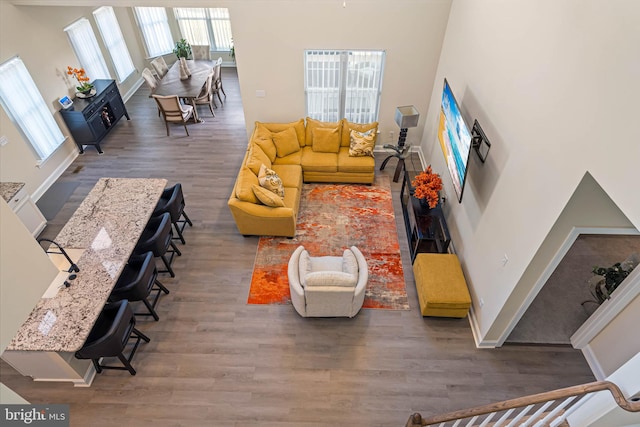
point(343, 84)
point(114, 41)
point(155, 30)
point(27, 109)
point(85, 45)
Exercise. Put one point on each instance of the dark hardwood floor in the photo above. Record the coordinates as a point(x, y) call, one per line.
point(213, 360)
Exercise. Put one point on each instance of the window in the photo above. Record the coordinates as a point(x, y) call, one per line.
point(87, 50)
point(113, 40)
point(25, 107)
point(155, 30)
point(343, 84)
point(205, 26)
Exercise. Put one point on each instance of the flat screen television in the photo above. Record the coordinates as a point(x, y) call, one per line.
point(455, 139)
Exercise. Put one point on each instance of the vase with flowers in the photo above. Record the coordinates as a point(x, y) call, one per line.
point(84, 87)
point(427, 185)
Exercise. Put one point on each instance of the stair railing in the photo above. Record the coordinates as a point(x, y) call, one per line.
point(550, 408)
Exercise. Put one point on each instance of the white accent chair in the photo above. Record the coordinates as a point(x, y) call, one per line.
point(327, 286)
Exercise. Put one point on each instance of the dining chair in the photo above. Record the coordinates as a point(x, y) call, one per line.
point(206, 95)
point(217, 82)
point(160, 66)
point(173, 111)
point(201, 51)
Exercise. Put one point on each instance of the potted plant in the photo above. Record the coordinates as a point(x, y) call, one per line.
point(611, 278)
point(182, 49)
point(232, 51)
point(84, 87)
point(427, 186)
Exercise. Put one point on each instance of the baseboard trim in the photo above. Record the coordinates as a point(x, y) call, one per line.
point(132, 90)
point(593, 362)
point(475, 331)
point(51, 179)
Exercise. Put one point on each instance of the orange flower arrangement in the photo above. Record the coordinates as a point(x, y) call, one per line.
point(427, 184)
point(81, 77)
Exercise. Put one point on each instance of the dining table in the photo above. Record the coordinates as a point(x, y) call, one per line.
point(189, 88)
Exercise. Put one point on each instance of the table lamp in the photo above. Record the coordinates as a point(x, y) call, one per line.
point(406, 117)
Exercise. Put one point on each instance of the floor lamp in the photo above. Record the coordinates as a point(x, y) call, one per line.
point(406, 117)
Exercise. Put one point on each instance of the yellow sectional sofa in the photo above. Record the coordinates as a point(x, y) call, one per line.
point(297, 152)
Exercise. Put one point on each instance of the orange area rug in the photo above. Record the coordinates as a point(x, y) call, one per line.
point(332, 218)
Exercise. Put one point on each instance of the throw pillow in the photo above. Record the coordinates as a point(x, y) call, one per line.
point(262, 137)
point(270, 180)
point(256, 158)
point(267, 197)
point(326, 140)
point(347, 127)
point(315, 124)
point(279, 127)
point(286, 142)
point(362, 144)
point(243, 185)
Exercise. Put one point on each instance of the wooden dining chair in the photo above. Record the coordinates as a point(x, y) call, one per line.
point(173, 111)
point(217, 81)
point(201, 51)
point(160, 66)
point(206, 95)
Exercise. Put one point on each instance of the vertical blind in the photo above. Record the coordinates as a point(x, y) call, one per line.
point(87, 50)
point(155, 30)
point(205, 26)
point(26, 108)
point(114, 41)
point(343, 84)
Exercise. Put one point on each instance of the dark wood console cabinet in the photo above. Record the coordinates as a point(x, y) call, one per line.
point(90, 119)
point(426, 228)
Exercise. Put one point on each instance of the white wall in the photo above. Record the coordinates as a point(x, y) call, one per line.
point(555, 86)
point(46, 52)
point(270, 38)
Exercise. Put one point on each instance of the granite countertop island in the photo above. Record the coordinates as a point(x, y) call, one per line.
point(106, 226)
point(9, 189)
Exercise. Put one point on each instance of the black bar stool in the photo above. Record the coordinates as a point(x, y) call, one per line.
point(136, 282)
point(172, 201)
point(157, 238)
point(110, 335)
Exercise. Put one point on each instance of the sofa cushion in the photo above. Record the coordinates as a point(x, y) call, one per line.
point(270, 180)
point(291, 159)
point(256, 158)
point(267, 197)
point(330, 278)
point(291, 175)
point(313, 161)
point(347, 126)
point(315, 124)
point(246, 178)
point(350, 164)
point(262, 137)
point(279, 127)
point(286, 142)
point(362, 143)
point(326, 140)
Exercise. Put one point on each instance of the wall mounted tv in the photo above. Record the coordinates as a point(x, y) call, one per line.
point(455, 139)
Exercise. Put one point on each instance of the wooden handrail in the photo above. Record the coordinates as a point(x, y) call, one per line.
point(416, 419)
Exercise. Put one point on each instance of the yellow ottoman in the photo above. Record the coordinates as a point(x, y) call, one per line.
point(442, 290)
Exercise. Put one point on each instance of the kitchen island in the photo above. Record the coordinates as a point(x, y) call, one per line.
point(100, 237)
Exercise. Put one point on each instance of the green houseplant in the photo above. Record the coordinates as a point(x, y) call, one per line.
point(182, 49)
point(611, 278)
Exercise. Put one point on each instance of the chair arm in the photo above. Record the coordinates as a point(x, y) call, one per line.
point(293, 273)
